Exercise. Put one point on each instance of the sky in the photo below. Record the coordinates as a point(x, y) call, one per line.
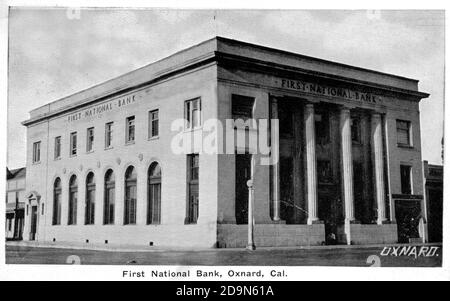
point(56, 52)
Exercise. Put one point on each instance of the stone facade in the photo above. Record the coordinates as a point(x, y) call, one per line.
point(214, 71)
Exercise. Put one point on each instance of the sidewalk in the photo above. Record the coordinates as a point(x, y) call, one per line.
point(141, 248)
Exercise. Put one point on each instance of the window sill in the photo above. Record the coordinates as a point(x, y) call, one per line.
point(89, 152)
point(36, 163)
point(153, 138)
point(108, 148)
point(246, 128)
point(406, 146)
point(189, 130)
point(129, 143)
point(57, 159)
point(404, 196)
point(72, 156)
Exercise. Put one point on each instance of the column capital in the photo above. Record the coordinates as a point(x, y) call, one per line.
point(375, 114)
point(309, 106)
point(345, 109)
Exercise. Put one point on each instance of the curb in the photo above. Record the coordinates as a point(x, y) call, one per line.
point(138, 248)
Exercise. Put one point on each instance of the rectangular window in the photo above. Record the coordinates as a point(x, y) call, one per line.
point(90, 140)
point(130, 129)
point(242, 107)
point(108, 134)
point(58, 147)
point(285, 119)
point(405, 176)
point(10, 224)
point(404, 133)
point(153, 123)
point(192, 179)
point(73, 144)
point(324, 172)
point(322, 126)
point(192, 113)
point(356, 129)
point(37, 152)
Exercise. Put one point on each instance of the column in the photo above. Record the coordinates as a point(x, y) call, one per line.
point(275, 143)
point(379, 166)
point(347, 170)
point(311, 176)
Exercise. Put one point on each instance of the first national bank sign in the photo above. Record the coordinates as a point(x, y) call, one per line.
point(317, 89)
point(103, 108)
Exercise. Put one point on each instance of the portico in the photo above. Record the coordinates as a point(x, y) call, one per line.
point(307, 199)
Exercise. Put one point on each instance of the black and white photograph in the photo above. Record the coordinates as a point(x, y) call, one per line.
point(177, 143)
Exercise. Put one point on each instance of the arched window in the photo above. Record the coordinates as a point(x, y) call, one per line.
point(110, 185)
point(89, 217)
point(57, 202)
point(73, 199)
point(154, 194)
point(130, 196)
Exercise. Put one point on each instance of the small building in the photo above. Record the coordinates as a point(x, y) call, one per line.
point(162, 155)
point(15, 202)
point(434, 187)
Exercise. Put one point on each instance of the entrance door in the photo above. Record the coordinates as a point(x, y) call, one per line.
point(407, 213)
point(243, 173)
point(33, 222)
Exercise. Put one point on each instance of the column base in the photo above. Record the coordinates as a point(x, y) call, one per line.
point(315, 222)
point(386, 222)
point(346, 234)
point(364, 234)
point(251, 247)
point(280, 221)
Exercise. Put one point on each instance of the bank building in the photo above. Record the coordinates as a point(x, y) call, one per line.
point(101, 168)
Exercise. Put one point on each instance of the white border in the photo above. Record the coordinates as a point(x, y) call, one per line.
point(56, 272)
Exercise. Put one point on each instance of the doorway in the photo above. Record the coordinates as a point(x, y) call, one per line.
point(243, 174)
point(407, 214)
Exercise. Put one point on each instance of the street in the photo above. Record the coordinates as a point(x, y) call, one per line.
point(412, 256)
